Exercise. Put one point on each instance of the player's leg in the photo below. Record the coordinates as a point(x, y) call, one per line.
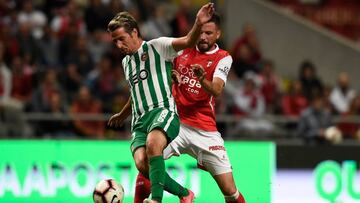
point(142, 187)
point(211, 155)
point(227, 186)
point(164, 126)
point(138, 144)
point(155, 143)
point(141, 161)
point(159, 179)
point(175, 148)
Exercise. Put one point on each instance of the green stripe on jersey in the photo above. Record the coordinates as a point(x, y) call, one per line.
point(160, 78)
point(169, 67)
point(135, 104)
point(151, 79)
point(145, 105)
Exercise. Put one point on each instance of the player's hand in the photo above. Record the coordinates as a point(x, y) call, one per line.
point(176, 77)
point(198, 71)
point(205, 13)
point(116, 120)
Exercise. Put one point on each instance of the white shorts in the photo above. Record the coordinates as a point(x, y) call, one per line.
point(207, 147)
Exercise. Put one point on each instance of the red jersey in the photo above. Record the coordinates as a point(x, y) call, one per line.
point(196, 107)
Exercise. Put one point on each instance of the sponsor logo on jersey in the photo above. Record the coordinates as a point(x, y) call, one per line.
point(216, 148)
point(209, 63)
point(225, 70)
point(143, 75)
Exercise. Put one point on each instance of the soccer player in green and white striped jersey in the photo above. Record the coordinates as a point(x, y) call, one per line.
point(155, 123)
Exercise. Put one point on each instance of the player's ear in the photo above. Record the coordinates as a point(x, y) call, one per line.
point(134, 32)
point(218, 33)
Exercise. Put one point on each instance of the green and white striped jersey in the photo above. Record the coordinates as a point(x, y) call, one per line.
point(148, 73)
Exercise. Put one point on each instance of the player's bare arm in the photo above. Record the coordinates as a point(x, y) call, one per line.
point(117, 119)
point(203, 16)
point(214, 87)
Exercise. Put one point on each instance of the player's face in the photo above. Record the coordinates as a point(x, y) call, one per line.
point(209, 34)
point(124, 41)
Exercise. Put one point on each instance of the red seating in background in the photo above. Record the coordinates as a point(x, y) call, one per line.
point(340, 16)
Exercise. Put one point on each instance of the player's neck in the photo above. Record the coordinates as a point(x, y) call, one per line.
point(212, 48)
point(138, 44)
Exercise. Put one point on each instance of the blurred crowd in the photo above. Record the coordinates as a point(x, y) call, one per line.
point(57, 58)
point(255, 89)
point(340, 16)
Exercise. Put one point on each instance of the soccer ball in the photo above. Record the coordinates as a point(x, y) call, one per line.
point(333, 134)
point(108, 191)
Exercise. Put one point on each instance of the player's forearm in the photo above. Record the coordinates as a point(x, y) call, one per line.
point(190, 39)
point(126, 110)
point(194, 34)
point(210, 88)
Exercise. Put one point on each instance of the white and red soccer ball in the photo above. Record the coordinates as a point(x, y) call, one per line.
point(108, 191)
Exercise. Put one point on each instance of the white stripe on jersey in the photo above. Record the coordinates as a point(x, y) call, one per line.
point(146, 89)
point(167, 87)
point(137, 89)
point(169, 121)
point(154, 75)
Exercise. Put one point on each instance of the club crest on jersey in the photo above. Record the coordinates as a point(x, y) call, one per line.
point(209, 63)
point(144, 56)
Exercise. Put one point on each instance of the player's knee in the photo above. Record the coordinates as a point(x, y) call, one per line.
point(153, 148)
point(228, 190)
point(142, 164)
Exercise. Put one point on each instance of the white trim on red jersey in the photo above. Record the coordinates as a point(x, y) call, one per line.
point(223, 67)
point(211, 51)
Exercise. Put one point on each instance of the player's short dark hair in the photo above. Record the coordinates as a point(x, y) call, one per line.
point(215, 18)
point(125, 20)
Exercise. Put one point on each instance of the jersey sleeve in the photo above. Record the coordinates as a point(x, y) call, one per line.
point(124, 62)
point(163, 46)
point(223, 67)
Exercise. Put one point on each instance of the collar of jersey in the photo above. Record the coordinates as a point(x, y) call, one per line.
point(210, 52)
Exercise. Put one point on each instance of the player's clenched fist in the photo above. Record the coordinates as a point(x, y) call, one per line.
point(205, 13)
point(198, 71)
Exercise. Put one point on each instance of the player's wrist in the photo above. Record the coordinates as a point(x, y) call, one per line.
point(198, 22)
point(201, 78)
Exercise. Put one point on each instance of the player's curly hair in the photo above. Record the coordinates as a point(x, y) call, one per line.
point(125, 20)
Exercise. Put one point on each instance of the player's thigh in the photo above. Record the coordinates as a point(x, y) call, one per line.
point(180, 145)
point(156, 141)
point(138, 139)
point(226, 183)
point(165, 120)
point(213, 156)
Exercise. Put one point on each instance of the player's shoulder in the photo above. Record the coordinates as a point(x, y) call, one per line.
point(223, 53)
point(160, 40)
point(125, 60)
point(187, 51)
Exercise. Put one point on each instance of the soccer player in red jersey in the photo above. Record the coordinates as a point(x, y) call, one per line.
point(200, 75)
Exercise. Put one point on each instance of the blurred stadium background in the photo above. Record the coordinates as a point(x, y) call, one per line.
point(295, 74)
